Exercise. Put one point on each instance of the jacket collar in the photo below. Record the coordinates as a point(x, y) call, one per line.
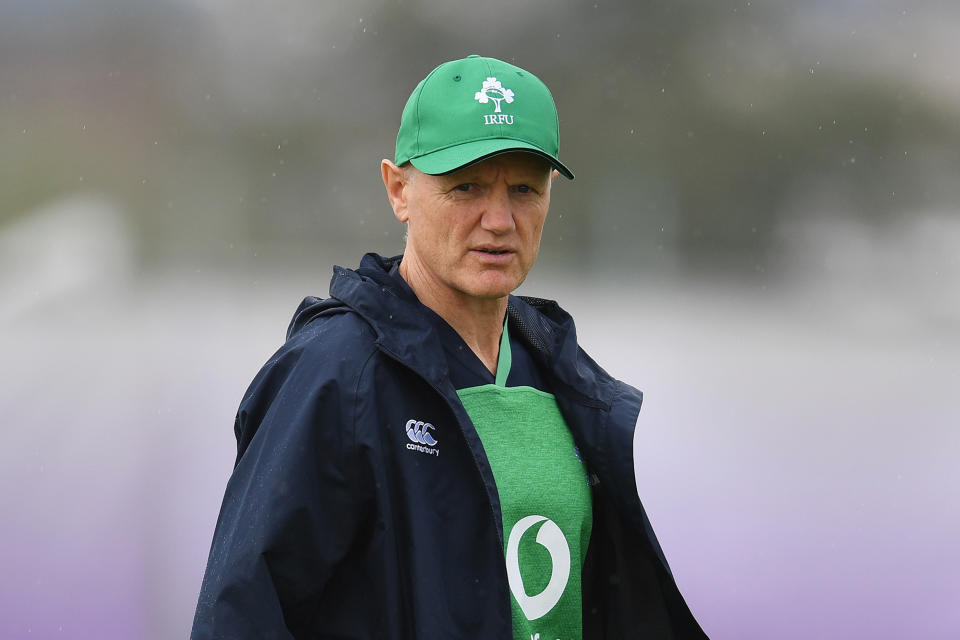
point(395, 315)
point(402, 331)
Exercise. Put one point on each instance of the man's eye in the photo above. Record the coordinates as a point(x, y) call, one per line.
point(463, 187)
point(524, 188)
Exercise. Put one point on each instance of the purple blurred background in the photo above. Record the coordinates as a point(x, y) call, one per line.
point(763, 236)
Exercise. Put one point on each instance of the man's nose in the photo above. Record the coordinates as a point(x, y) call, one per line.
point(498, 212)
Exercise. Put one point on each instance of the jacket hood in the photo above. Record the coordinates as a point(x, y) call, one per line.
point(310, 309)
point(355, 290)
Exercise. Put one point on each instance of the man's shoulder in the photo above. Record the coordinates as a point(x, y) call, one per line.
point(327, 347)
point(317, 369)
point(325, 341)
point(327, 328)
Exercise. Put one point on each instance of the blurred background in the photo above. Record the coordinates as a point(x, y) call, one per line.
point(763, 235)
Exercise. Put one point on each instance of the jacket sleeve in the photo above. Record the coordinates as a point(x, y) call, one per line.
point(294, 504)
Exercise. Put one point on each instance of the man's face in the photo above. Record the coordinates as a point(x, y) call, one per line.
point(475, 233)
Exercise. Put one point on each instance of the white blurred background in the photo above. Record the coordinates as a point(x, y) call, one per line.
point(763, 236)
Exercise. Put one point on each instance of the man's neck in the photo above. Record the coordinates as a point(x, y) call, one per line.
point(479, 321)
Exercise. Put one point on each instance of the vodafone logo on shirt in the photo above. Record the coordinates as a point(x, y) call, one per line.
point(551, 537)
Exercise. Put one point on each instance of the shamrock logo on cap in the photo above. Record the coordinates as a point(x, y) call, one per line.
point(492, 85)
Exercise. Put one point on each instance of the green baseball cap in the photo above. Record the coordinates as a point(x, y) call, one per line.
point(468, 110)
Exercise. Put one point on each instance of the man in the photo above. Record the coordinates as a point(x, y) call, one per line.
point(428, 456)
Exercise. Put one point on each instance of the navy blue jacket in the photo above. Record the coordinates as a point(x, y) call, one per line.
point(331, 527)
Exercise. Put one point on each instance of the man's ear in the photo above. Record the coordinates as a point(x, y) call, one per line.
point(395, 180)
point(554, 175)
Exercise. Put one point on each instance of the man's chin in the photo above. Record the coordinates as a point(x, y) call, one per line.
point(494, 286)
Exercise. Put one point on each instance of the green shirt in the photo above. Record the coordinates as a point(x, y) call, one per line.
point(544, 501)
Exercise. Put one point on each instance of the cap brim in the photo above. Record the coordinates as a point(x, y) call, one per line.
point(461, 156)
